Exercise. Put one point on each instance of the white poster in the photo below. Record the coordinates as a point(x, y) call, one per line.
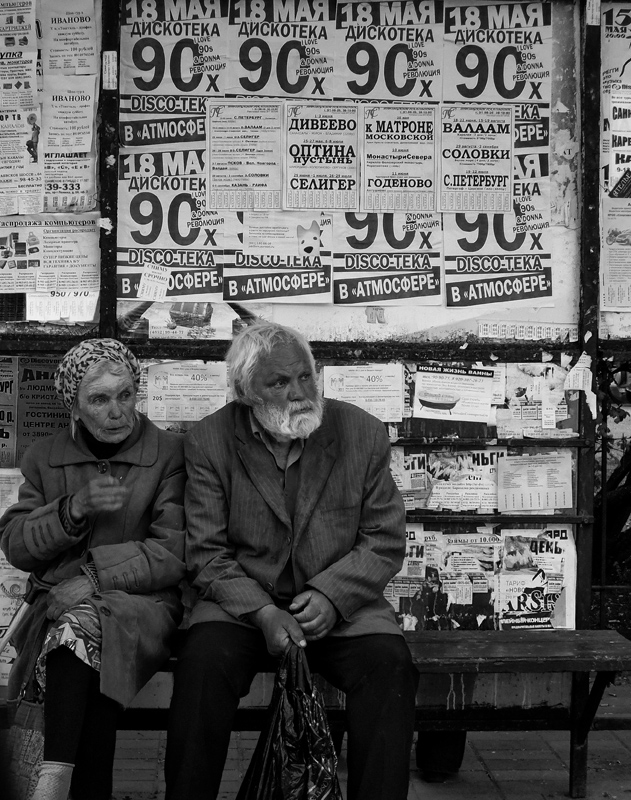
point(18, 79)
point(68, 306)
point(486, 263)
point(70, 45)
point(398, 157)
point(279, 49)
point(22, 173)
point(391, 259)
point(57, 252)
point(476, 162)
point(185, 390)
point(70, 181)
point(535, 482)
point(444, 392)
point(278, 256)
point(172, 58)
point(322, 162)
point(377, 388)
point(244, 154)
point(615, 263)
point(69, 112)
point(389, 51)
point(497, 52)
point(162, 220)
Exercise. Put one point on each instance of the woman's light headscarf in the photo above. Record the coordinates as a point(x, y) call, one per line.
point(82, 356)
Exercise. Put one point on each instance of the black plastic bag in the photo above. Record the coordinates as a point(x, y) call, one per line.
point(294, 758)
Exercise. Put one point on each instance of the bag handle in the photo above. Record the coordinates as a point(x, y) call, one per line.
point(294, 672)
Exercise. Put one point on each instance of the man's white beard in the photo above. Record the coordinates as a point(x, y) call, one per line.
point(297, 420)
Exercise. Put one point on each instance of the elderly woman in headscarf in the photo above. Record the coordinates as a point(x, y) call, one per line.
point(99, 524)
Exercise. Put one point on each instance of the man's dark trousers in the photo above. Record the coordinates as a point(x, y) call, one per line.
point(216, 667)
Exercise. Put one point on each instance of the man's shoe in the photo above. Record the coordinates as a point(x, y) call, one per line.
point(429, 776)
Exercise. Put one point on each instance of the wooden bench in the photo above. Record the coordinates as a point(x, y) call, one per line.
point(586, 660)
point(469, 680)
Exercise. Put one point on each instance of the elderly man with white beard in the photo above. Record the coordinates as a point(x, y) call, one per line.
point(294, 528)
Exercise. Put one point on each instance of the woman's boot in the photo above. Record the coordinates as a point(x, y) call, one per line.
point(53, 782)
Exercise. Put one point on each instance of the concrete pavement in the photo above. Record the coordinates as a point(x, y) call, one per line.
point(497, 766)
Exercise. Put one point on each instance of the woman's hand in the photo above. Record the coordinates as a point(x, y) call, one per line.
point(67, 594)
point(104, 493)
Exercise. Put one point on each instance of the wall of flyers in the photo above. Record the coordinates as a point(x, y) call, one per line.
point(49, 225)
point(615, 170)
point(487, 578)
point(398, 155)
point(362, 171)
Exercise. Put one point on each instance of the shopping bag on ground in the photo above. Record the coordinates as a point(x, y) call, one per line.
point(294, 758)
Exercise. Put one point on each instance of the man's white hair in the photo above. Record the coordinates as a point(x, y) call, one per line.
point(251, 345)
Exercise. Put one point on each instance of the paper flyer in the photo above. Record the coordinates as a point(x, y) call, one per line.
point(69, 113)
point(414, 560)
point(18, 25)
point(377, 388)
point(280, 257)
point(244, 148)
point(69, 306)
point(8, 416)
point(486, 263)
point(40, 412)
point(164, 191)
point(531, 172)
point(10, 481)
point(70, 181)
point(389, 51)
point(536, 482)
point(12, 580)
point(615, 79)
point(462, 393)
point(387, 259)
point(18, 78)
point(50, 252)
point(464, 481)
point(619, 135)
point(21, 157)
point(549, 549)
point(182, 320)
point(282, 49)
point(322, 160)
point(70, 46)
point(528, 387)
point(476, 162)
point(454, 480)
point(185, 390)
point(497, 52)
point(190, 59)
point(615, 271)
point(398, 157)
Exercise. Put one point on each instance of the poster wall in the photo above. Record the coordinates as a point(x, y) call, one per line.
point(422, 129)
point(358, 170)
point(49, 226)
point(487, 578)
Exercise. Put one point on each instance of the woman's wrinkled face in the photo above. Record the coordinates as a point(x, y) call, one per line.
point(106, 404)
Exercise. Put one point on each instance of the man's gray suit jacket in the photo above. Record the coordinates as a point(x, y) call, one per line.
point(348, 536)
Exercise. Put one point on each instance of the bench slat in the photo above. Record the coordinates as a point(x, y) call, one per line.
point(520, 651)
